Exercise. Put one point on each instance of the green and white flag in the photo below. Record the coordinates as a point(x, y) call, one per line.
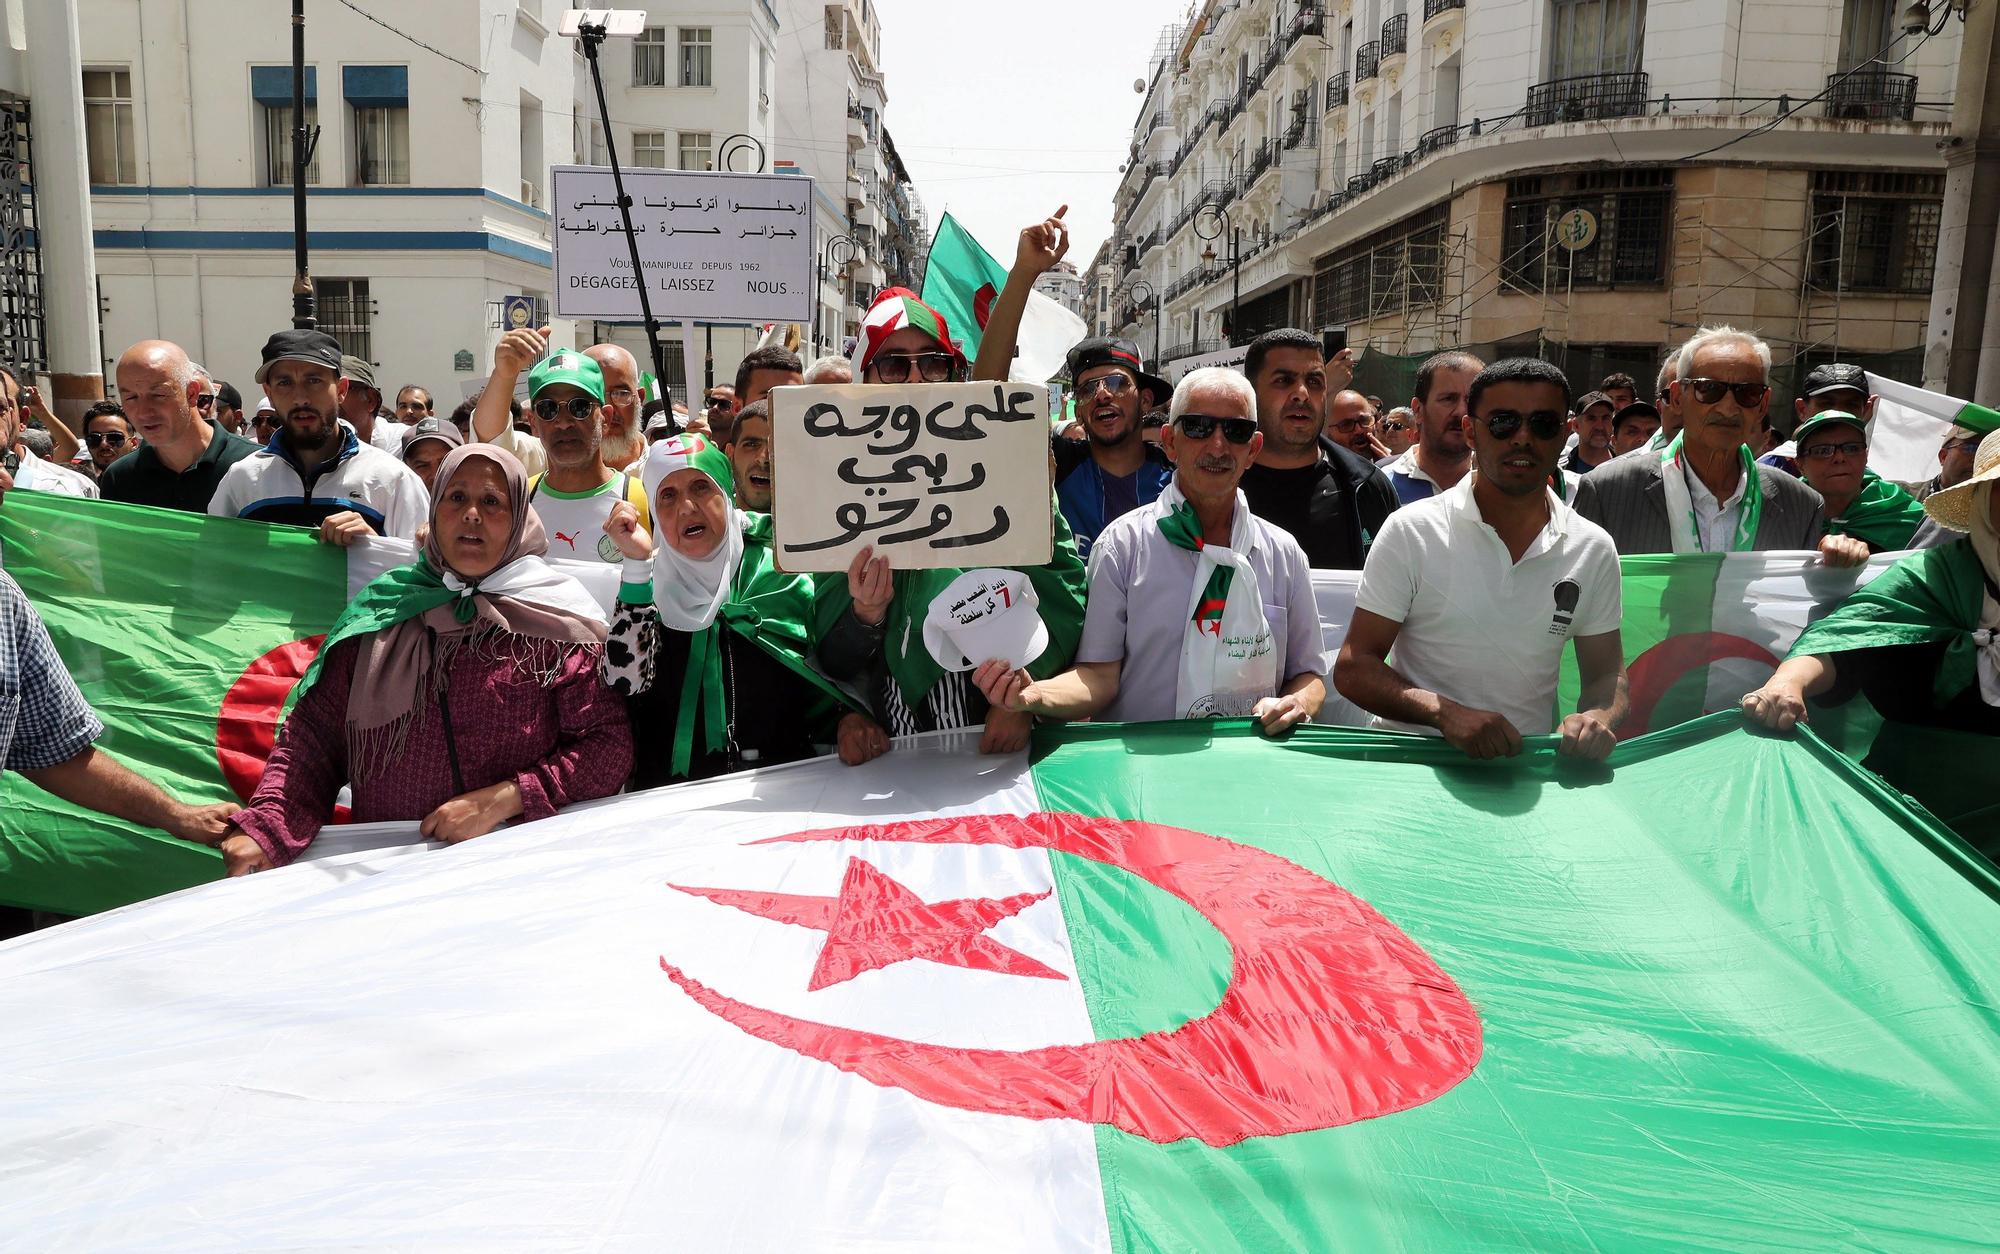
point(1166, 987)
point(1911, 423)
point(962, 280)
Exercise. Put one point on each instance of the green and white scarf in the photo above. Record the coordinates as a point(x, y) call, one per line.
point(1681, 521)
point(1229, 659)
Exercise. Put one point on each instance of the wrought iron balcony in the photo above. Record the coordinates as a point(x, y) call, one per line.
point(1386, 168)
point(1336, 91)
point(1367, 61)
point(1261, 160)
point(1872, 95)
point(1309, 20)
point(1358, 184)
point(1396, 35)
point(1300, 133)
point(1432, 8)
point(1586, 98)
point(1437, 139)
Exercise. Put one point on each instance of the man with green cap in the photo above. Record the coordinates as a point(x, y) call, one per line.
point(1833, 458)
point(575, 494)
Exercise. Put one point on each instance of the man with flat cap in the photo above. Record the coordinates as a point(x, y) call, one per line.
point(425, 443)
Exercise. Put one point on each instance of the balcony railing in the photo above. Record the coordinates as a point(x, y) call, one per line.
point(1586, 98)
point(1367, 61)
point(1386, 168)
point(1336, 91)
point(1300, 133)
point(1872, 95)
point(1261, 160)
point(1396, 35)
point(1432, 8)
point(1437, 139)
point(1159, 120)
point(1309, 20)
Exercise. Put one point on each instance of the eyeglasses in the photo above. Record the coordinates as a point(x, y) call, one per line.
point(718, 402)
point(1962, 446)
point(618, 396)
point(897, 367)
point(1853, 448)
point(1114, 383)
point(1199, 427)
point(579, 408)
point(1542, 425)
point(1711, 391)
point(205, 399)
point(1348, 426)
point(1395, 427)
point(116, 439)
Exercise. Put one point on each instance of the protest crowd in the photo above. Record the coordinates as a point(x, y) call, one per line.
point(482, 683)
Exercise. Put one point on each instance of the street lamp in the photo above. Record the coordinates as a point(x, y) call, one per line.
point(1150, 298)
point(1217, 220)
point(836, 250)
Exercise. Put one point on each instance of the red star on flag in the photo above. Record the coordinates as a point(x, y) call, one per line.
point(876, 922)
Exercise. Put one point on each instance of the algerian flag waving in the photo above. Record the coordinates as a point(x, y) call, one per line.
point(962, 280)
point(1910, 424)
point(1168, 987)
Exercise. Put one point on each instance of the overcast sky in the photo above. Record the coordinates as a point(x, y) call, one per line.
point(1003, 111)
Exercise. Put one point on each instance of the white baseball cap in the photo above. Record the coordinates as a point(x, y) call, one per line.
point(983, 615)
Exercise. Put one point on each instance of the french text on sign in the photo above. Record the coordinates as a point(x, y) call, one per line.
point(928, 474)
point(713, 247)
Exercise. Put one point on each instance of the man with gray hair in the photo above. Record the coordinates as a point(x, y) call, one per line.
point(1198, 608)
point(1705, 492)
point(832, 368)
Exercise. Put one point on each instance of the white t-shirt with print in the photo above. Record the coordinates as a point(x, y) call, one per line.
point(1477, 627)
point(574, 522)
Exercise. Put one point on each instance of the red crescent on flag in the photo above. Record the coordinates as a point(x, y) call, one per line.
point(1659, 668)
point(1332, 1013)
point(982, 303)
point(246, 728)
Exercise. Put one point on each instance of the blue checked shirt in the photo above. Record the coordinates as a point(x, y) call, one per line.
point(44, 720)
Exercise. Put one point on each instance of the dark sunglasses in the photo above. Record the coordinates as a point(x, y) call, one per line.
point(1199, 427)
point(1116, 384)
point(1711, 391)
point(1153, 421)
point(1393, 427)
point(718, 402)
point(579, 408)
point(1542, 426)
point(897, 367)
point(1853, 448)
point(205, 399)
point(113, 438)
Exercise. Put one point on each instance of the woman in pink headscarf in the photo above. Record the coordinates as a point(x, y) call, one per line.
point(461, 690)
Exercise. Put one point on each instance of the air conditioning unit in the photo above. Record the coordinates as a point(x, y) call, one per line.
point(531, 194)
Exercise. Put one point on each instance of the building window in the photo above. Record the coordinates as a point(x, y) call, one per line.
point(346, 313)
point(278, 143)
point(1632, 208)
point(1596, 37)
point(107, 125)
point(1393, 269)
point(649, 149)
point(836, 28)
point(1865, 31)
point(381, 146)
point(697, 56)
point(649, 58)
point(695, 151)
point(1875, 232)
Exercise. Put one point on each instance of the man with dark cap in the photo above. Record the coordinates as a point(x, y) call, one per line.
point(228, 411)
point(316, 472)
point(1633, 427)
point(1591, 423)
point(425, 444)
point(1835, 385)
point(361, 407)
point(1112, 470)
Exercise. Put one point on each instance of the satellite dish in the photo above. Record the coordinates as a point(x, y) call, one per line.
point(1139, 85)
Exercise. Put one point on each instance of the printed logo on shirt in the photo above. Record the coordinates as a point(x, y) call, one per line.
point(607, 548)
point(569, 540)
point(1567, 594)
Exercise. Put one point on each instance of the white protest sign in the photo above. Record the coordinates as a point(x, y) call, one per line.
point(930, 474)
point(715, 247)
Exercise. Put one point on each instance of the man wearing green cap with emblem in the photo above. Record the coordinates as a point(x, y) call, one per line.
point(1833, 458)
point(575, 494)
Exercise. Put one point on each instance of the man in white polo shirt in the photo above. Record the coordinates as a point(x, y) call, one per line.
point(1477, 589)
point(1198, 608)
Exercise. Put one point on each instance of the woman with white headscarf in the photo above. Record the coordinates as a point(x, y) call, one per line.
point(710, 640)
point(1922, 641)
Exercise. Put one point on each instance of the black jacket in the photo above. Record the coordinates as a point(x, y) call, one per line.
point(1351, 498)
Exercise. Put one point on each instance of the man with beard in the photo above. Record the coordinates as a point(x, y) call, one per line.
point(316, 472)
point(1351, 423)
point(228, 411)
point(413, 405)
point(361, 407)
point(1112, 470)
point(575, 494)
point(1442, 454)
point(1327, 497)
point(622, 441)
point(1478, 588)
point(1592, 423)
point(749, 450)
point(185, 456)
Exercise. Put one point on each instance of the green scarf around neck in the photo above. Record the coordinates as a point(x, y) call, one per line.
point(1931, 595)
point(1881, 514)
point(391, 597)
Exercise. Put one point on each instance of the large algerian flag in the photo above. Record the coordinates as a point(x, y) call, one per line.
point(1910, 423)
point(186, 634)
point(1166, 988)
point(962, 280)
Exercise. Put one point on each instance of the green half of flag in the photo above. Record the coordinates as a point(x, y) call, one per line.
point(161, 616)
point(961, 281)
point(1732, 994)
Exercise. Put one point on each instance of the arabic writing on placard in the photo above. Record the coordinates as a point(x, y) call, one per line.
point(931, 475)
point(715, 247)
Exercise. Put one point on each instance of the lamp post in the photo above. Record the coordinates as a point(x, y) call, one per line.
point(1152, 298)
point(305, 313)
point(1217, 220)
point(835, 250)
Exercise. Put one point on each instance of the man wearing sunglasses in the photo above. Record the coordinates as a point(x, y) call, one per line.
point(107, 435)
point(1112, 470)
point(184, 457)
point(1479, 588)
point(1322, 493)
point(1197, 608)
point(1704, 492)
point(575, 494)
